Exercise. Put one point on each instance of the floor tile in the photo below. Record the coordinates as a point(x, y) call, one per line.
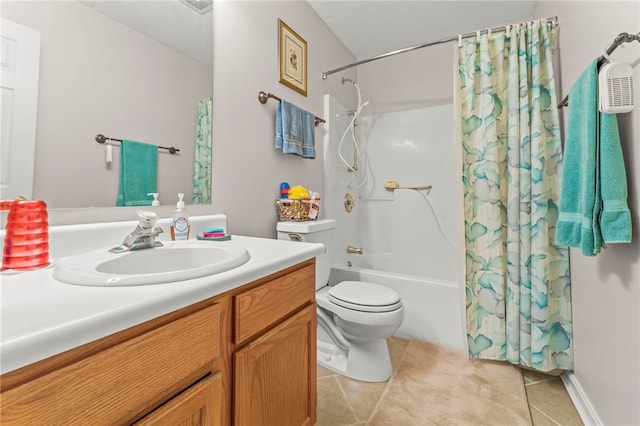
point(363, 396)
point(324, 372)
point(347, 402)
point(333, 407)
point(399, 341)
point(531, 376)
point(437, 385)
point(538, 418)
point(551, 398)
point(396, 346)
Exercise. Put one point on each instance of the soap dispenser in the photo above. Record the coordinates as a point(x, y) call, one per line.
point(156, 201)
point(181, 227)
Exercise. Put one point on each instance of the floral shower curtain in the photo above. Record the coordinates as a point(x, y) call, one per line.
point(202, 164)
point(518, 302)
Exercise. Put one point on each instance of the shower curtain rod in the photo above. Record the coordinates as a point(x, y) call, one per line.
point(325, 74)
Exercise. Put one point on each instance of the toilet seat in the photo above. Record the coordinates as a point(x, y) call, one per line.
point(364, 296)
point(358, 316)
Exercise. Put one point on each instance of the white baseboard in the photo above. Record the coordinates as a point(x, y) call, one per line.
point(579, 398)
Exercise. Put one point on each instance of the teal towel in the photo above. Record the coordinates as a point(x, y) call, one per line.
point(593, 193)
point(138, 173)
point(577, 224)
point(295, 130)
point(615, 218)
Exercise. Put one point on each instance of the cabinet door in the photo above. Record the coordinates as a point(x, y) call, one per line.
point(200, 405)
point(275, 375)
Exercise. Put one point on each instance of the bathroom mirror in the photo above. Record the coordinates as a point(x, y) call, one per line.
point(99, 75)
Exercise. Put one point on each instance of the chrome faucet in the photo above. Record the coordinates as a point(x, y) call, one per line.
point(354, 250)
point(143, 237)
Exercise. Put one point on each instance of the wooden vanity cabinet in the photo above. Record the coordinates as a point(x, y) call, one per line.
point(245, 357)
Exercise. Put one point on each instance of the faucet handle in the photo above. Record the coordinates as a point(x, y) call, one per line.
point(155, 232)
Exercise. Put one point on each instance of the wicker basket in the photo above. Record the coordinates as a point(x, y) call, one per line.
point(297, 210)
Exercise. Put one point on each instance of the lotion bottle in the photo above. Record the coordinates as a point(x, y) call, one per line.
point(181, 227)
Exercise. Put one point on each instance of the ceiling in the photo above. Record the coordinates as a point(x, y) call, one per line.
point(370, 28)
point(366, 27)
point(173, 22)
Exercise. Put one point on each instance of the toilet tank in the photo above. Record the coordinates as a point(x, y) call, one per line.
point(316, 231)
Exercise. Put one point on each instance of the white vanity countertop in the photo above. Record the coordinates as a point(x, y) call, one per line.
point(41, 316)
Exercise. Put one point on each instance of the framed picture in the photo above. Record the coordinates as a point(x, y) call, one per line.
point(293, 59)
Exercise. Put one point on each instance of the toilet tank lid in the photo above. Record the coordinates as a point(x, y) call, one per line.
point(307, 226)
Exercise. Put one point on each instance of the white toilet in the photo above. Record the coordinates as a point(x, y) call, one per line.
point(354, 317)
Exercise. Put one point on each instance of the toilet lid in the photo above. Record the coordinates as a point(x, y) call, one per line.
point(364, 296)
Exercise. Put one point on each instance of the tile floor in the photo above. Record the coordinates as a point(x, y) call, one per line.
point(346, 402)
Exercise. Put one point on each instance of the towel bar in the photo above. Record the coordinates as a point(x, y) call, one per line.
point(263, 97)
point(103, 139)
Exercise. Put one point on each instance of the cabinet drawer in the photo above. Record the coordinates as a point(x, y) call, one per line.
point(261, 307)
point(199, 405)
point(122, 383)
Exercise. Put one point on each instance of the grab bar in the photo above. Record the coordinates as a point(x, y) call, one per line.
point(354, 168)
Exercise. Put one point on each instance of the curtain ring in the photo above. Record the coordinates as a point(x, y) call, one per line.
point(478, 35)
point(488, 32)
point(459, 40)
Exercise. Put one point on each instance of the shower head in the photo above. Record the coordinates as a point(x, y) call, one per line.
point(348, 79)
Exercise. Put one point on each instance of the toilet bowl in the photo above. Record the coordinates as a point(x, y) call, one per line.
point(352, 341)
point(354, 317)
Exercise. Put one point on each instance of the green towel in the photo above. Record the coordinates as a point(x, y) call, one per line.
point(615, 218)
point(593, 193)
point(577, 224)
point(138, 173)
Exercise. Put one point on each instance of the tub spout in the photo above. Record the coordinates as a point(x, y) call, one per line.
point(354, 250)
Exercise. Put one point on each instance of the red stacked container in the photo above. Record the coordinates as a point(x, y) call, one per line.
point(26, 240)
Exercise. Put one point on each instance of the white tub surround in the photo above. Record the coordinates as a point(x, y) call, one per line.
point(41, 317)
point(410, 239)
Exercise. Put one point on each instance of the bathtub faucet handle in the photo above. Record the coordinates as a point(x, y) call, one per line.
point(354, 250)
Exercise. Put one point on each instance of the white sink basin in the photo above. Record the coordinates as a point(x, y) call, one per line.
point(174, 261)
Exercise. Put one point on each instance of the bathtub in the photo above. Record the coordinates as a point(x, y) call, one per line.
point(432, 307)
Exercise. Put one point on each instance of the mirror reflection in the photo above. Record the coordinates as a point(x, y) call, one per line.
point(100, 76)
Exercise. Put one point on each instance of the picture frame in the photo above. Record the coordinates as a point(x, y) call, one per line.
point(293, 58)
